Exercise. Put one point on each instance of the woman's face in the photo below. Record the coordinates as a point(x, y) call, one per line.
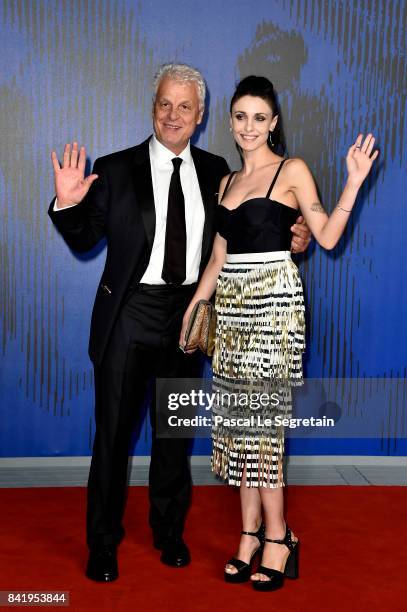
point(251, 121)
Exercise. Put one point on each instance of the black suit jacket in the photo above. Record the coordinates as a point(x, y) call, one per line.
point(120, 207)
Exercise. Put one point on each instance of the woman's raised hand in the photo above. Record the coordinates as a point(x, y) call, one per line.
point(71, 186)
point(359, 159)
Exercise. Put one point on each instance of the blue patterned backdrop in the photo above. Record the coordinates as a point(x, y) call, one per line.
point(82, 70)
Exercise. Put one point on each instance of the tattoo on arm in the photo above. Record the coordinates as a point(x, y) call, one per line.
point(317, 207)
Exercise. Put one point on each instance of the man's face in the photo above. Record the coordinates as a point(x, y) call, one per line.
point(176, 113)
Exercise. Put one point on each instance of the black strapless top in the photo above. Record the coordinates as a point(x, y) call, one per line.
point(257, 225)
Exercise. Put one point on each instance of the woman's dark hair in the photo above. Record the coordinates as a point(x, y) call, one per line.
point(260, 87)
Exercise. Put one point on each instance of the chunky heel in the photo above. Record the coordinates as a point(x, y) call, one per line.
point(291, 566)
point(276, 578)
point(244, 569)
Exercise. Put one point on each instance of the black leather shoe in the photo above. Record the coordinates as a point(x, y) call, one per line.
point(102, 564)
point(175, 552)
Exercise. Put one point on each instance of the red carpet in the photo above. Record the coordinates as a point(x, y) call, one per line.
point(353, 552)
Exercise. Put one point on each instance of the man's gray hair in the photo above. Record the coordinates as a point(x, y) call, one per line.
point(183, 73)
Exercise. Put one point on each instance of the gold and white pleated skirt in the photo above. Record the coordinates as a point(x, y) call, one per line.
point(260, 338)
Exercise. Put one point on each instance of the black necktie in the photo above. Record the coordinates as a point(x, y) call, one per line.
point(175, 251)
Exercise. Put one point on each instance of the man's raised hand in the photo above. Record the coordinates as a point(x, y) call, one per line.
point(71, 186)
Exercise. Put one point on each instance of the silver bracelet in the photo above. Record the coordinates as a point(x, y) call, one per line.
point(344, 209)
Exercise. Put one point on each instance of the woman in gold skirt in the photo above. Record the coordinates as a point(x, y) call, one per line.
point(260, 334)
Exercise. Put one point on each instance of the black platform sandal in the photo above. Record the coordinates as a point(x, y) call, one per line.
point(290, 570)
point(244, 569)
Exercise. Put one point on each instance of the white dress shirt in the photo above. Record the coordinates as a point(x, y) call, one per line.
point(161, 171)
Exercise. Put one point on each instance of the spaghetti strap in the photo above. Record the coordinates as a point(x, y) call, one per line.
point(275, 178)
point(231, 175)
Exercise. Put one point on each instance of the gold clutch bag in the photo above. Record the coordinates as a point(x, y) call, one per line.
point(201, 328)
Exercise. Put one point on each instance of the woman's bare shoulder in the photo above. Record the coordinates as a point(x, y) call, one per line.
point(222, 185)
point(295, 164)
point(296, 168)
point(225, 179)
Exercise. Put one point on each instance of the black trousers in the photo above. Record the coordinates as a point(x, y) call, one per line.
point(143, 344)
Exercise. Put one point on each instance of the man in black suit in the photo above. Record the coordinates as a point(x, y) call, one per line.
point(153, 263)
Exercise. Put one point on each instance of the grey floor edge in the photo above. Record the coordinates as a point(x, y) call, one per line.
point(335, 470)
